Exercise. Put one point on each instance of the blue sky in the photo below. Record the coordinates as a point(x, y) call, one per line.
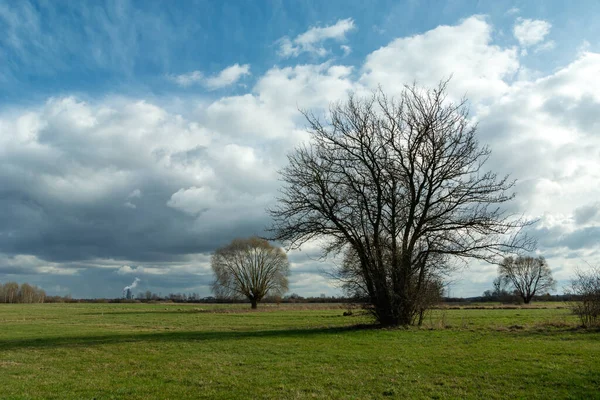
point(127, 47)
point(136, 137)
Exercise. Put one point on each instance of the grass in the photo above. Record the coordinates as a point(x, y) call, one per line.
point(141, 351)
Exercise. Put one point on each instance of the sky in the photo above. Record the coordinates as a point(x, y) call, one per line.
point(136, 137)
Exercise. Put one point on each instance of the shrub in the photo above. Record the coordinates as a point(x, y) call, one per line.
point(585, 288)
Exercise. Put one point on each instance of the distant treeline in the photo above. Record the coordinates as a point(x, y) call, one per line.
point(149, 297)
point(508, 298)
point(293, 298)
point(12, 292)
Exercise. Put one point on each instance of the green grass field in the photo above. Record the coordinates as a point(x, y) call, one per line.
point(140, 351)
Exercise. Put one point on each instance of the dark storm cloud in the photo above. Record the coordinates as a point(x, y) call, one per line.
point(103, 229)
point(88, 188)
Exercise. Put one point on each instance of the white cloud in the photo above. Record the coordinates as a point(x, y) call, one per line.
point(464, 51)
point(194, 200)
point(226, 77)
point(311, 40)
point(544, 133)
point(530, 32)
point(546, 46)
point(188, 79)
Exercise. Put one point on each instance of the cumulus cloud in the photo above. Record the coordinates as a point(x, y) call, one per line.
point(544, 134)
point(312, 40)
point(465, 51)
point(530, 32)
point(226, 77)
point(193, 200)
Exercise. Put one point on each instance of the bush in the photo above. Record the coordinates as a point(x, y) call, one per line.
point(585, 288)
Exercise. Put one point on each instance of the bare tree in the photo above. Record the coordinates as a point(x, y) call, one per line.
point(11, 292)
point(402, 184)
point(585, 288)
point(527, 275)
point(250, 268)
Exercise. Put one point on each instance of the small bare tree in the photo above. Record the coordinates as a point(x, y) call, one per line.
point(527, 276)
point(585, 288)
point(250, 268)
point(402, 183)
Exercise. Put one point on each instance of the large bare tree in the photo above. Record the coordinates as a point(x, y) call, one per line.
point(527, 276)
point(401, 183)
point(250, 268)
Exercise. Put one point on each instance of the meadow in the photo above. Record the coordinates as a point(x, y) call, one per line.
point(158, 351)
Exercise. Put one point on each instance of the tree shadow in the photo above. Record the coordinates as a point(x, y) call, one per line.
point(95, 340)
point(190, 311)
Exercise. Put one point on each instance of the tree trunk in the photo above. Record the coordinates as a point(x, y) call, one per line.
point(254, 304)
point(421, 314)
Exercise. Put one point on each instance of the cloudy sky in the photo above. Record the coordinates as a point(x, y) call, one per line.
point(137, 137)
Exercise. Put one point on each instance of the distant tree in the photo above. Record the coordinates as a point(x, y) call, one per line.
point(250, 268)
point(585, 288)
point(526, 275)
point(500, 292)
point(26, 293)
point(402, 183)
point(499, 286)
point(11, 292)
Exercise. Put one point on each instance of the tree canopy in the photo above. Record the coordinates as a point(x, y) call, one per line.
point(250, 268)
point(528, 276)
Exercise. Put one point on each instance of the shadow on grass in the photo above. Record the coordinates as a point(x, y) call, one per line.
point(183, 311)
point(216, 310)
point(191, 336)
point(94, 340)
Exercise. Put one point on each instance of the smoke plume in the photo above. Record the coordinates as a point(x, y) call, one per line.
point(133, 285)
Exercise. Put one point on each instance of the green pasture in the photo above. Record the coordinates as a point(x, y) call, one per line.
point(172, 351)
